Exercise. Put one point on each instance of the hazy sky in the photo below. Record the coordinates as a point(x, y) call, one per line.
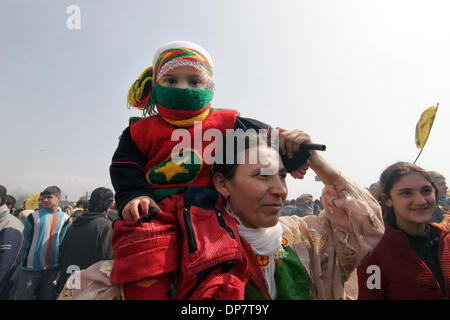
point(356, 75)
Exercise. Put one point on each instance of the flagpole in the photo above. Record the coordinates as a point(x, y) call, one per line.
point(418, 156)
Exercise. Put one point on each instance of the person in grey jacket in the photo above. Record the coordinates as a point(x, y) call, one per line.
point(11, 247)
point(88, 239)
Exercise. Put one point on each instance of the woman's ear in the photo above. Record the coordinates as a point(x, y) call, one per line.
point(220, 183)
point(386, 199)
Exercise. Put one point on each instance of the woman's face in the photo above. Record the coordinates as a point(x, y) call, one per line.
point(255, 196)
point(413, 200)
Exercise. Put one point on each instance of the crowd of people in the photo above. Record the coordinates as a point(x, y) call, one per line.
point(303, 205)
point(47, 245)
point(184, 228)
point(40, 248)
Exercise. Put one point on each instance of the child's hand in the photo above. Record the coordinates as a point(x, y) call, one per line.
point(138, 207)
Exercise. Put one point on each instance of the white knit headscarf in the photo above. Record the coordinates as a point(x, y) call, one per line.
point(183, 62)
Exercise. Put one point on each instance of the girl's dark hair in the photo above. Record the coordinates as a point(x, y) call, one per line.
point(388, 178)
point(101, 199)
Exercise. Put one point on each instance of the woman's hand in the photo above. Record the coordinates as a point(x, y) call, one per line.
point(137, 207)
point(290, 140)
point(300, 173)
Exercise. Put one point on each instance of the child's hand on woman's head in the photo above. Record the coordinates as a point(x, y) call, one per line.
point(138, 207)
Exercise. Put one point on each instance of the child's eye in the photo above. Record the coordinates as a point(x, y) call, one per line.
point(405, 193)
point(170, 81)
point(195, 82)
point(283, 176)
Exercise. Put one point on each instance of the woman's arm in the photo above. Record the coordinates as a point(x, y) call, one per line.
point(327, 174)
point(343, 235)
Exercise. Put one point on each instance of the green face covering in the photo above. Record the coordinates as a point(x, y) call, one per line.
point(187, 99)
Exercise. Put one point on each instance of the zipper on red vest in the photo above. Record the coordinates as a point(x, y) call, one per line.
point(190, 233)
point(223, 224)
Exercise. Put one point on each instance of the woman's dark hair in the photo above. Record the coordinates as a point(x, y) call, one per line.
point(388, 178)
point(101, 199)
point(227, 159)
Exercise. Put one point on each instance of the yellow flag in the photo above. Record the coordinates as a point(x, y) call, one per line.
point(32, 201)
point(424, 125)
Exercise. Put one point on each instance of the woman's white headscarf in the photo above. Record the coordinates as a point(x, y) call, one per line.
point(264, 242)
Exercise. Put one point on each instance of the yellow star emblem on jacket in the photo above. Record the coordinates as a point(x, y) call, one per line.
point(170, 169)
point(176, 169)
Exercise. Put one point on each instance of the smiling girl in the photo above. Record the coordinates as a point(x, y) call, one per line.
point(414, 255)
